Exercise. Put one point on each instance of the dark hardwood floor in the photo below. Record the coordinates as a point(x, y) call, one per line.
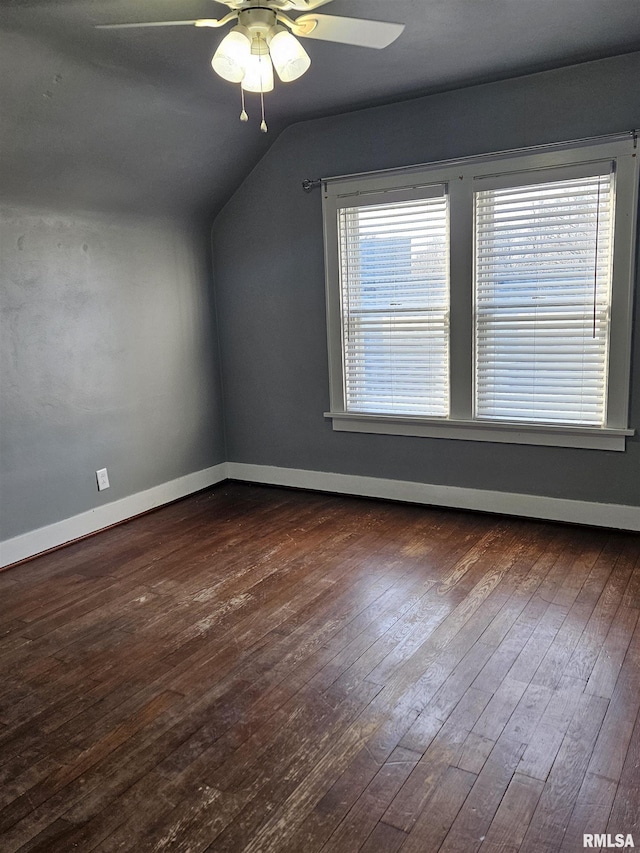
point(256, 669)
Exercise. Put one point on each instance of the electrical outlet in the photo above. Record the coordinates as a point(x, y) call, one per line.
point(103, 479)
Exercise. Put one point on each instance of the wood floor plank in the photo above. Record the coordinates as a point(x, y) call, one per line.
point(625, 811)
point(262, 670)
point(591, 811)
point(509, 825)
point(260, 781)
point(140, 804)
point(440, 811)
point(109, 738)
point(548, 734)
point(362, 818)
point(526, 664)
point(533, 592)
point(612, 747)
point(384, 839)
point(444, 751)
point(475, 751)
point(560, 793)
point(603, 678)
point(500, 708)
point(477, 813)
point(590, 643)
point(373, 776)
point(280, 832)
point(44, 840)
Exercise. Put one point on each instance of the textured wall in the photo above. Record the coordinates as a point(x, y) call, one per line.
point(108, 357)
point(108, 352)
point(268, 257)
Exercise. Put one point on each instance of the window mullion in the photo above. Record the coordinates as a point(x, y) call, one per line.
point(461, 298)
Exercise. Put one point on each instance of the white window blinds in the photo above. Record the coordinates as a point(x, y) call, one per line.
point(542, 295)
point(394, 277)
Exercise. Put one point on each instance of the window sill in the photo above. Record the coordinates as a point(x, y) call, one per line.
point(592, 438)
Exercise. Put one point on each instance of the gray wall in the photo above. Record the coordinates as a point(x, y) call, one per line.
point(108, 347)
point(267, 249)
point(108, 357)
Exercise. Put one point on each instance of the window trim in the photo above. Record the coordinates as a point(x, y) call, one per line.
point(461, 176)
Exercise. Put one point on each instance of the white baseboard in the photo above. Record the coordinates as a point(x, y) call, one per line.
point(61, 532)
point(35, 542)
point(616, 516)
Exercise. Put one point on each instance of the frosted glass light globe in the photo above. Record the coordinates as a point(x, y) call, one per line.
point(258, 74)
point(290, 59)
point(231, 57)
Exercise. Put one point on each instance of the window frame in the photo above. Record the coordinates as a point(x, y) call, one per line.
point(551, 162)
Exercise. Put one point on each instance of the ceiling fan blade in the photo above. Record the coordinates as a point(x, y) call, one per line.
point(358, 31)
point(303, 5)
point(146, 24)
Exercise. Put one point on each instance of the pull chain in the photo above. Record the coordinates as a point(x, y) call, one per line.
point(263, 126)
point(243, 114)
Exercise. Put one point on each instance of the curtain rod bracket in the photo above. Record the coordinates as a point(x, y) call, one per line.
point(309, 184)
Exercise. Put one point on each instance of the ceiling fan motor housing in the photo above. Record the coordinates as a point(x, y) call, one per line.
point(279, 5)
point(259, 20)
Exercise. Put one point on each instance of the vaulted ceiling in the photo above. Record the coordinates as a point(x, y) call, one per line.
point(135, 119)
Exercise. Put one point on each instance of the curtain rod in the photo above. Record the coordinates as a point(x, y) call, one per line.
point(310, 184)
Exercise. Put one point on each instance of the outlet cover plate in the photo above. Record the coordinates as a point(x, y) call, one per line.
point(103, 479)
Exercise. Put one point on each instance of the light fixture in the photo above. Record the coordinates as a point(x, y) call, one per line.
point(258, 69)
point(258, 42)
point(230, 59)
point(250, 51)
point(289, 58)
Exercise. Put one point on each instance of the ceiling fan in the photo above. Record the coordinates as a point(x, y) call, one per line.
point(264, 38)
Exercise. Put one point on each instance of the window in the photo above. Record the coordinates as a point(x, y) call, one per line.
point(542, 293)
point(485, 299)
point(395, 306)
